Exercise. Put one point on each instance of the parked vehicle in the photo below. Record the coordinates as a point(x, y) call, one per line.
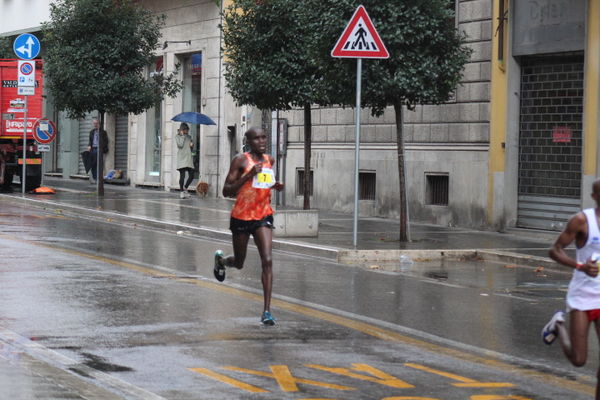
point(12, 106)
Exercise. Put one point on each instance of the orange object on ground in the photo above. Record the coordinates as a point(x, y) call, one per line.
point(43, 190)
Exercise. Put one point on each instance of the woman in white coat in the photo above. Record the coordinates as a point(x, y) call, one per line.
point(184, 158)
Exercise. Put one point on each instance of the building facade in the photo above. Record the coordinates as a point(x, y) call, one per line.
point(446, 147)
point(544, 120)
point(516, 146)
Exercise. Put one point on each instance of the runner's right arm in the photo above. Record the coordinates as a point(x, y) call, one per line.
point(235, 180)
point(575, 229)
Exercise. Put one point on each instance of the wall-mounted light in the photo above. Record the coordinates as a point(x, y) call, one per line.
point(166, 43)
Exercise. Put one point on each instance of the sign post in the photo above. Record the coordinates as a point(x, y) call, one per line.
point(359, 40)
point(26, 47)
point(44, 132)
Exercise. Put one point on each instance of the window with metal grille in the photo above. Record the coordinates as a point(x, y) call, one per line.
point(300, 182)
point(437, 190)
point(366, 185)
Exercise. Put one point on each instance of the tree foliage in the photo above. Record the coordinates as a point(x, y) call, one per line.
point(96, 52)
point(6, 50)
point(265, 45)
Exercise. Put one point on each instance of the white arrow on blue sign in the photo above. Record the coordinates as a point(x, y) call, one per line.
point(27, 46)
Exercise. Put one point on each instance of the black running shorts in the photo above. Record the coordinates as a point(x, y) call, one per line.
point(249, 227)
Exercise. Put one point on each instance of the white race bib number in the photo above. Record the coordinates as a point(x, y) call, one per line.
point(265, 179)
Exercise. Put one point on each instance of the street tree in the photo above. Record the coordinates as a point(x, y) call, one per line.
point(266, 47)
point(96, 53)
point(6, 48)
point(427, 56)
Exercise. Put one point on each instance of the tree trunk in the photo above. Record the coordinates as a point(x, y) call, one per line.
point(401, 173)
point(100, 157)
point(307, 154)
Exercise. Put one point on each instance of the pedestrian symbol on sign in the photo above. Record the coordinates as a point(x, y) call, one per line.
point(363, 41)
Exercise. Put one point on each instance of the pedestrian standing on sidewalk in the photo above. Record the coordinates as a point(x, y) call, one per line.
point(93, 144)
point(250, 180)
point(583, 295)
point(184, 159)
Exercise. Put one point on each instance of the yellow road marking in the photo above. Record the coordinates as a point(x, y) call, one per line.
point(465, 382)
point(285, 379)
point(372, 330)
point(228, 380)
point(497, 397)
point(380, 377)
point(409, 398)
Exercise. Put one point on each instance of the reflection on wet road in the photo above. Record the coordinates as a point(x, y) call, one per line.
point(140, 307)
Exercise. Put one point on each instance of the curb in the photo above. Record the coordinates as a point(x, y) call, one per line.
point(345, 256)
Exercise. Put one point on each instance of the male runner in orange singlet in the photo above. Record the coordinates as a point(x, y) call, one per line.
point(250, 180)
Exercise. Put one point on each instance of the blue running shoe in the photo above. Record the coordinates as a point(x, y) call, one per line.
point(219, 268)
point(267, 319)
point(550, 332)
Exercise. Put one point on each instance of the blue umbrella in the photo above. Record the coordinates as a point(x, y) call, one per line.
point(193, 118)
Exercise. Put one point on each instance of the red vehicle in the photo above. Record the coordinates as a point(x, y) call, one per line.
point(12, 125)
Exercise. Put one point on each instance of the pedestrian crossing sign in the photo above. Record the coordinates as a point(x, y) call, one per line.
point(360, 39)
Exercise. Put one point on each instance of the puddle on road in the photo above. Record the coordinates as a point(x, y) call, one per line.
point(101, 364)
point(491, 277)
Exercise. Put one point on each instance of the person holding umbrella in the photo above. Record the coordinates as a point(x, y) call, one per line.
point(184, 159)
point(185, 145)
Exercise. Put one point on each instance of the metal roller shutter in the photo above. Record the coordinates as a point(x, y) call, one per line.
point(121, 142)
point(85, 126)
point(550, 141)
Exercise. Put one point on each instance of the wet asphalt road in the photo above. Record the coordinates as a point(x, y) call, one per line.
point(106, 309)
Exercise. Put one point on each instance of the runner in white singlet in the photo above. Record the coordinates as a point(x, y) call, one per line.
point(583, 295)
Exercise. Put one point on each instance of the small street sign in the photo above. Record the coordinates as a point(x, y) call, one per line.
point(26, 91)
point(26, 46)
point(44, 131)
point(26, 74)
point(42, 148)
point(360, 39)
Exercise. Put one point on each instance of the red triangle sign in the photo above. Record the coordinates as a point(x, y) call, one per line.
point(360, 39)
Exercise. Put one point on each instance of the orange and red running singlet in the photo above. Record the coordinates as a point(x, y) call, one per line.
point(252, 201)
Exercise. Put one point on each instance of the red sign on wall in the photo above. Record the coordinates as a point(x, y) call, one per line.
point(562, 134)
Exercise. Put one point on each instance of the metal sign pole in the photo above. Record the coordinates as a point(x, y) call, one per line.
point(24, 173)
point(357, 149)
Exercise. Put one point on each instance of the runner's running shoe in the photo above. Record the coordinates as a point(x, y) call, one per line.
point(267, 319)
point(550, 332)
point(219, 268)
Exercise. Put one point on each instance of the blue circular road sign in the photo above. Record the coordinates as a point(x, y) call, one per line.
point(27, 46)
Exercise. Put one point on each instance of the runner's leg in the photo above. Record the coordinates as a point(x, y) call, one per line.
point(263, 237)
point(574, 341)
point(240, 246)
point(597, 322)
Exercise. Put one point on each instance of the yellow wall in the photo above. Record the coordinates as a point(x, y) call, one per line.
point(591, 95)
point(498, 110)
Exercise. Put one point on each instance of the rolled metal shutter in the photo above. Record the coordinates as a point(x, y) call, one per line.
point(121, 141)
point(85, 126)
point(550, 141)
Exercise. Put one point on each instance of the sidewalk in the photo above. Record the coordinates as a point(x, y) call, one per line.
point(377, 237)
